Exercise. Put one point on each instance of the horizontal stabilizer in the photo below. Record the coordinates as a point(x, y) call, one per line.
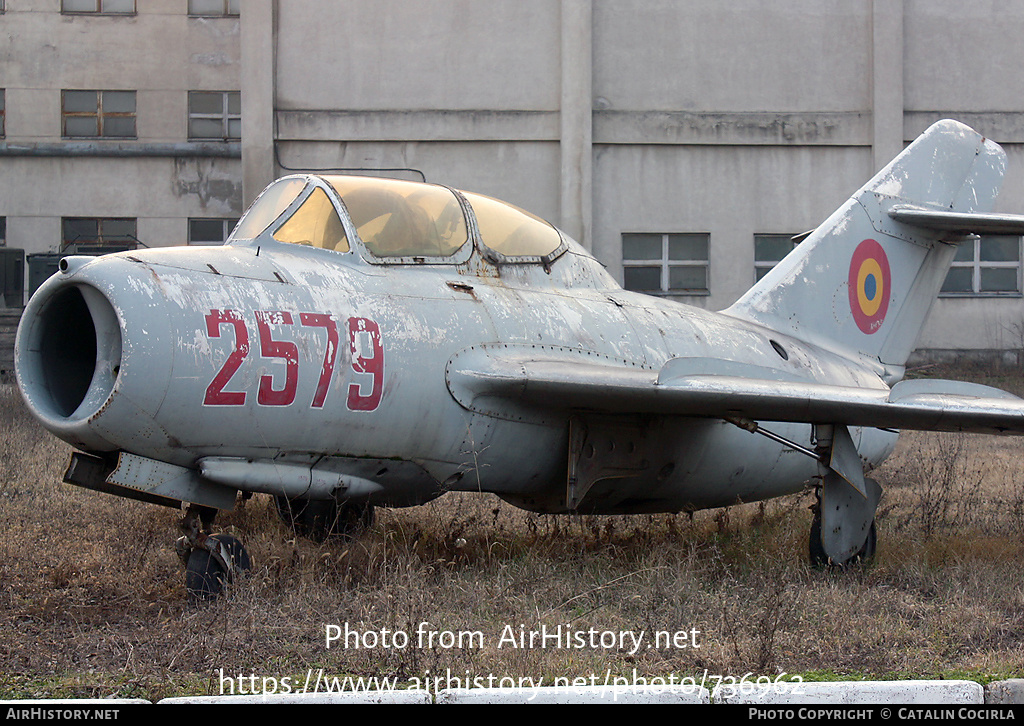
point(959, 222)
point(478, 376)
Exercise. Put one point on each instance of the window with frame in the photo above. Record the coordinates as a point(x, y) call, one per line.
point(215, 115)
point(769, 249)
point(668, 264)
point(989, 265)
point(98, 114)
point(98, 233)
point(213, 8)
point(100, 7)
point(213, 231)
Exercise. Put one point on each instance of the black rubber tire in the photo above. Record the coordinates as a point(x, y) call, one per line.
point(205, 577)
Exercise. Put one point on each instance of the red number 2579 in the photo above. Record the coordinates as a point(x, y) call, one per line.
point(365, 346)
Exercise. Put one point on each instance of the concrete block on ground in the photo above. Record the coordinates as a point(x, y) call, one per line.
point(854, 692)
point(1005, 692)
point(679, 693)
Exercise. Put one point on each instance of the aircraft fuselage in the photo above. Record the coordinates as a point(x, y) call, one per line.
point(295, 357)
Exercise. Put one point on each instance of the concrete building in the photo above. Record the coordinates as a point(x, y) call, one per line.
point(117, 123)
point(683, 141)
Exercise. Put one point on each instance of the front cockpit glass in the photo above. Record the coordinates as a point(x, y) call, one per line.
point(268, 207)
point(403, 219)
point(314, 224)
point(510, 231)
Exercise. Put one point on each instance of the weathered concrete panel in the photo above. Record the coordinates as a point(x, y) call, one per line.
point(95, 187)
point(499, 55)
point(684, 127)
point(730, 192)
point(1003, 127)
point(417, 125)
point(151, 50)
point(743, 55)
point(963, 56)
point(975, 322)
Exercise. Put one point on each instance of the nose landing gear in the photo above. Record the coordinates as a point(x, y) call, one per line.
point(212, 561)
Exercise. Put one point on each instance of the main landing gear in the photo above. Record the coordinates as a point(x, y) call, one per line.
point(843, 531)
point(816, 549)
point(212, 561)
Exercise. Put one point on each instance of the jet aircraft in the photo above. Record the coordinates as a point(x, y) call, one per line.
point(363, 341)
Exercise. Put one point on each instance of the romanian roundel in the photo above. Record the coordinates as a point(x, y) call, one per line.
point(870, 285)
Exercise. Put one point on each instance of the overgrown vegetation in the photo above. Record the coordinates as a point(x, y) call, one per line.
point(92, 601)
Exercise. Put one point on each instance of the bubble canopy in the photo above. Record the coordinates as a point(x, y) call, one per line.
point(397, 221)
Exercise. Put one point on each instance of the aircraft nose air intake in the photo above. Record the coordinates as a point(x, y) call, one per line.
point(70, 353)
point(68, 356)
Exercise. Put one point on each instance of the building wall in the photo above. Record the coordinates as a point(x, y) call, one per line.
point(468, 93)
point(158, 177)
point(962, 61)
point(726, 118)
point(731, 119)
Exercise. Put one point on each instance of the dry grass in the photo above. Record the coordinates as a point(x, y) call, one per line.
point(92, 601)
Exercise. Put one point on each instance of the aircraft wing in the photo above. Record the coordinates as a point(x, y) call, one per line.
point(484, 379)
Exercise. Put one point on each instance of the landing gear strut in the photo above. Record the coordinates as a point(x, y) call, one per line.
point(211, 560)
point(843, 531)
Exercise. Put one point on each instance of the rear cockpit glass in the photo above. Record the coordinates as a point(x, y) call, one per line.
point(510, 231)
point(268, 207)
point(403, 219)
point(314, 224)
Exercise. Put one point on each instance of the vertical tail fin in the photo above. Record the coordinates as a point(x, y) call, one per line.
point(863, 282)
